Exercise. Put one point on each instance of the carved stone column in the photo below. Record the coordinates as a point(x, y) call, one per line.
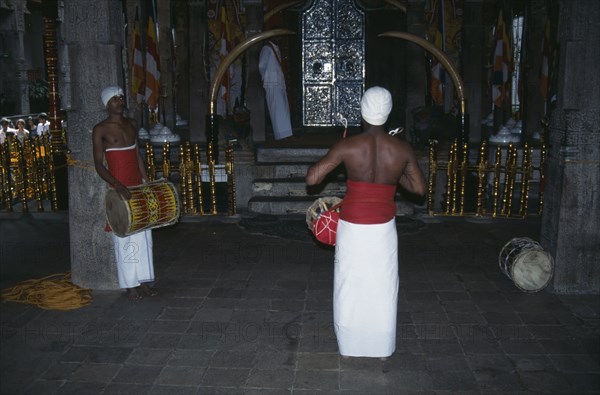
point(95, 62)
point(571, 216)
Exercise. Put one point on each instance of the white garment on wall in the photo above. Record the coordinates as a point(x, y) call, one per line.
point(269, 65)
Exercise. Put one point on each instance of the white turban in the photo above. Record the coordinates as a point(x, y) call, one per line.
point(109, 92)
point(376, 105)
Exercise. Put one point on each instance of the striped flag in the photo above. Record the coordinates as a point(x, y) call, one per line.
point(502, 64)
point(137, 67)
point(152, 66)
point(546, 61)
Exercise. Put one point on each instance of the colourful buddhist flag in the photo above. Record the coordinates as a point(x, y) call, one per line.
point(546, 61)
point(501, 65)
point(137, 67)
point(152, 66)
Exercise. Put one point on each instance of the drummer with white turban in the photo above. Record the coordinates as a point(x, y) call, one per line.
point(366, 279)
point(115, 140)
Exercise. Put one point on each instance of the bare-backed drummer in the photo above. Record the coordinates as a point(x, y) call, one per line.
point(366, 251)
point(115, 140)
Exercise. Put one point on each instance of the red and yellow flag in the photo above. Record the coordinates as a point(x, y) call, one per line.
point(502, 66)
point(152, 67)
point(137, 67)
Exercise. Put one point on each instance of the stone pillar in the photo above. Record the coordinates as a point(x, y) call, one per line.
point(415, 61)
point(20, 62)
point(255, 95)
point(165, 51)
point(95, 62)
point(199, 73)
point(571, 216)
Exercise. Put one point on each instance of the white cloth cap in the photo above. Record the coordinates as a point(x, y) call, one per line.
point(109, 92)
point(376, 105)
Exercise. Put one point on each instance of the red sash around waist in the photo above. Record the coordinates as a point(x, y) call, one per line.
point(123, 165)
point(368, 203)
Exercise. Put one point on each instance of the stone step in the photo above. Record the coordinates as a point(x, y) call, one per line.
point(278, 205)
point(296, 186)
point(287, 155)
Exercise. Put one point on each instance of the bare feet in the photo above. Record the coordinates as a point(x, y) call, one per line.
point(133, 294)
point(146, 290)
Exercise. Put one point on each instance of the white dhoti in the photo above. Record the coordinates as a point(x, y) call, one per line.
point(365, 292)
point(134, 259)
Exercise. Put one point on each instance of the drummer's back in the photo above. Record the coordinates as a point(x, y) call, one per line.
point(375, 157)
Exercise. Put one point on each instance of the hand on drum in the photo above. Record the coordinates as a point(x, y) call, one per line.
point(123, 191)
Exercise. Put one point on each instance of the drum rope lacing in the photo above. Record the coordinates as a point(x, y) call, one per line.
point(54, 292)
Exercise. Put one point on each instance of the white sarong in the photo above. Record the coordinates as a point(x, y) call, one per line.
point(134, 259)
point(365, 291)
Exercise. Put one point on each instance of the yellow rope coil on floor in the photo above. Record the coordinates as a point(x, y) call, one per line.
point(55, 292)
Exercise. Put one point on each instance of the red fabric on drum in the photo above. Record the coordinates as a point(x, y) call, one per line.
point(325, 227)
point(368, 203)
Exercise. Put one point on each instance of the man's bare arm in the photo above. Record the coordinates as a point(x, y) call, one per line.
point(413, 179)
point(317, 172)
point(98, 151)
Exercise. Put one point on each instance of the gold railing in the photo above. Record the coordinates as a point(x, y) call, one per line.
point(500, 182)
point(195, 179)
point(27, 173)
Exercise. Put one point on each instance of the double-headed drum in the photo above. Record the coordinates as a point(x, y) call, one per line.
point(152, 205)
point(526, 263)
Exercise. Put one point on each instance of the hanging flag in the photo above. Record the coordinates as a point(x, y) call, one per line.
point(137, 68)
point(437, 70)
point(546, 60)
point(152, 66)
point(502, 64)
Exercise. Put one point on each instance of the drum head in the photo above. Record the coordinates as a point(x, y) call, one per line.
point(117, 213)
point(532, 270)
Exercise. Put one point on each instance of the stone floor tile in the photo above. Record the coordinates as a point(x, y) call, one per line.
point(498, 318)
point(181, 375)
point(127, 389)
point(316, 380)
point(275, 360)
point(232, 359)
point(192, 358)
point(545, 381)
point(169, 326)
point(364, 381)
point(456, 380)
point(521, 346)
point(149, 356)
point(441, 346)
point(563, 346)
point(318, 361)
point(60, 371)
point(193, 341)
point(409, 381)
point(162, 389)
point(95, 372)
point(584, 382)
point(109, 354)
point(160, 340)
point(577, 363)
point(177, 313)
point(137, 374)
point(492, 381)
point(446, 363)
point(399, 362)
point(532, 363)
point(225, 377)
point(44, 387)
point(270, 379)
point(73, 388)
